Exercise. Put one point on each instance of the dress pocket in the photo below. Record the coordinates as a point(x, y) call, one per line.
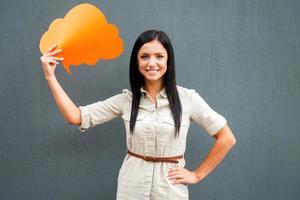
point(126, 117)
point(170, 121)
point(169, 124)
point(142, 126)
point(166, 137)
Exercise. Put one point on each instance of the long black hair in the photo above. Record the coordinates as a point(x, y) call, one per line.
point(169, 78)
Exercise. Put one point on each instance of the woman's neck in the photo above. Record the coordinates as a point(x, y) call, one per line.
point(153, 88)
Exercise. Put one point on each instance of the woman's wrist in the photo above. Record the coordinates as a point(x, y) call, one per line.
point(50, 78)
point(199, 176)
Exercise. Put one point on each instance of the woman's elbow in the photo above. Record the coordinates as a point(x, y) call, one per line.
point(73, 121)
point(233, 140)
point(230, 139)
point(226, 136)
point(74, 118)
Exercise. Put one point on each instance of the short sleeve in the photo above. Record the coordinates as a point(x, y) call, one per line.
point(101, 111)
point(205, 116)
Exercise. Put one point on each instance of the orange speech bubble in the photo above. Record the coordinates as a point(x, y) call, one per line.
point(84, 36)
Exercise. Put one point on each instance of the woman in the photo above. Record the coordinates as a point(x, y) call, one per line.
point(157, 114)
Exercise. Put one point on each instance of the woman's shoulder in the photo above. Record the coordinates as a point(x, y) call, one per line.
point(189, 96)
point(126, 93)
point(185, 91)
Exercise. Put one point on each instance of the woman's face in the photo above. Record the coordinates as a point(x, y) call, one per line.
point(152, 60)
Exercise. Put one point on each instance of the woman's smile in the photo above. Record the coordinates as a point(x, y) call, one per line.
point(152, 71)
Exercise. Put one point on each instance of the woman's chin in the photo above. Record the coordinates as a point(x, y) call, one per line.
point(152, 78)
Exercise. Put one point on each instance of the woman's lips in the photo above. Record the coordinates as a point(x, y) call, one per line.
point(152, 71)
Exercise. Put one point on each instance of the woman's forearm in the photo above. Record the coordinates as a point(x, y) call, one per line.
point(69, 110)
point(224, 142)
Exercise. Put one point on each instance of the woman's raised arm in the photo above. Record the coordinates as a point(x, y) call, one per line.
point(70, 111)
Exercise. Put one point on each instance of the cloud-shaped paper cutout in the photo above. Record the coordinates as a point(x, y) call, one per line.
point(84, 35)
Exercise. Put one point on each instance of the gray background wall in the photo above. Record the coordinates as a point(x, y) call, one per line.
point(242, 56)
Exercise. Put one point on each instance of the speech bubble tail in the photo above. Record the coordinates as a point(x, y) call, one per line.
point(67, 68)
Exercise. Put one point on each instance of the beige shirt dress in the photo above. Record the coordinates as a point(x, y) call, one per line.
point(154, 135)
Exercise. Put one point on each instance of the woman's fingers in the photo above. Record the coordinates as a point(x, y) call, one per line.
point(174, 173)
point(52, 53)
point(46, 59)
point(49, 60)
point(53, 61)
point(176, 176)
point(56, 58)
point(179, 181)
point(180, 175)
point(51, 48)
point(174, 169)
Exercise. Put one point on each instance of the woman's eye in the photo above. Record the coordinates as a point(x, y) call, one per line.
point(143, 57)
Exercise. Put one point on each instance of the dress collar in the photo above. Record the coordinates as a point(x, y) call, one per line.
point(163, 92)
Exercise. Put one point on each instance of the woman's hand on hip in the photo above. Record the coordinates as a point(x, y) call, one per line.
point(49, 61)
point(179, 175)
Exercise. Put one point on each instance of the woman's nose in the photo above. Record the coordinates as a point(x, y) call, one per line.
point(152, 62)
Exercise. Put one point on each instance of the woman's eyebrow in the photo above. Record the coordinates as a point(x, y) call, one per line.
point(159, 53)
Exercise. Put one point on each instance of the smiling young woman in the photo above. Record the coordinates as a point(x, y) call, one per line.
point(157, 114)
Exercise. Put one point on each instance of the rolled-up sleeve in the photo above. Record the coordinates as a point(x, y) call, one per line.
point(205, 116)
point(100, 112)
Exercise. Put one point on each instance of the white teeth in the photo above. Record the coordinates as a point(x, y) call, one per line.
point(151, 69)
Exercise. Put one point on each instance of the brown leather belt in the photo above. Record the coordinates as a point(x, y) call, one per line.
point(172, 159)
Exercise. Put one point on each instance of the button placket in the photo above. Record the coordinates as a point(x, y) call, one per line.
point(150, 151)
